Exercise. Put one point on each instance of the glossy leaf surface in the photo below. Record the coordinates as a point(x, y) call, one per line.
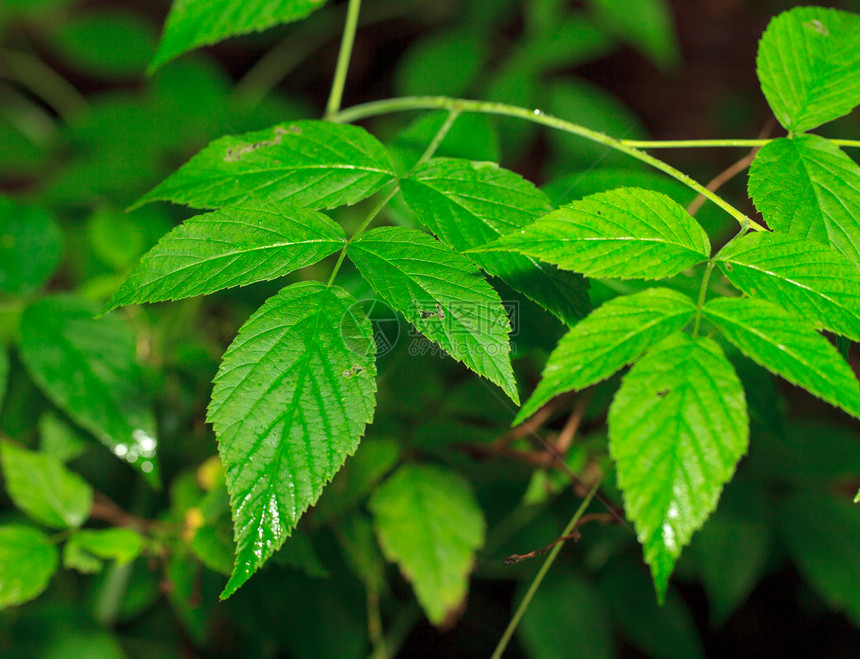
point(677, 428)
point(290, 403)
point(236, 246)
point(628, 233)
point(443, 294)
point(613, 336)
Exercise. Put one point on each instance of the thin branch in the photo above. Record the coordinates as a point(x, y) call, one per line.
point(567, 434)
point(575, 535)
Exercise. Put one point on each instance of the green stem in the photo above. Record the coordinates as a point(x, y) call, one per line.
point(43, 81)
point(343, 58)
point(374, 625)
point(428, 153)
point(535, 116)
point(571, 525)
point(703, 290)
point(685, 144)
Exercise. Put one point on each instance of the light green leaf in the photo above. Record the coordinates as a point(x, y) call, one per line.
point(677, 428)
point(857, 497)
point(250, 242)
point(31, 246)
point(28, 560)
point(822, 533)
point(59, 439)
point(43, 488)
point(614, 335)
point(565, 619)
point(809, 66)
point(811, 280)
point(194, 23)
point(808, 187)
point(443, 294)
point(290, 403)
point(429, 523)
point(84, 548)
point(644, 24)
point(88, 368)
point(4, 374)
point(788, 347)
point(314, 164)
point(470, 204)
point(628, 233)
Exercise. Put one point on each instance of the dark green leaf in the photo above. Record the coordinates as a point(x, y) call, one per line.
point(361, 551)
point(629, 233)
point(613, 336)
point(677, 427)
point(194, 23)
point(813, 281)
point(808, 187)
point(809, 66)
point(442, 63)
point(429, 523)
point(43, 488)
point(443, 294)
point(290, 403)
point(787, 347)
point(470, 204)
point(58, 438)
point(566, 619)
point(644, 24)
point(30, 247)
point(87, 368)
point(28, 560)
point(4, 374)
point(298, 553)
point(305, 163)
point(822, 533)
point(236, 246)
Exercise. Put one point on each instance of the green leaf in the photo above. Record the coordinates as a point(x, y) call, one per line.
point(809, 66)
point(628, 233)
point(429, 523)
point(677, 427)
point(4, 374)
point(788, 347)
point(84, 548)
point(305, 163)
point(59, 439)
point(614, 335)
point(236, 246)
point(298, 553)
point(442, 63)
point(30, 247)
point(644, 24)
point(28, 560)
point(88, 368)
point(194, 23)
point(470, 204)
point(361, 551)
point(822, 533)
point(812, 281)
point(443, 294)
point(565, 619)
point(43, 488)
point(808, 187)
point(290, 403)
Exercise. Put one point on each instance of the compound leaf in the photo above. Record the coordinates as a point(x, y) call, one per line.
point(88, 368)
point(314, 164)
point(628, 233)
point(443, 294)
point(808, 187)
point(677, 427)
point(41, 486)
point(236, 246)
point(611, 337)
point(469, 204)
point(28, 560)
point(811, 280)
point(290, 403)
point(429, 523)
point(194, 23)
point(809, 66)
point(788, 347)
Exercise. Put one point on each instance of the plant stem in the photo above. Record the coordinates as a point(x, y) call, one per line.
point(536, 116)
point(550, 559)
point(686, 144)
point(43, 81)
point(700, 303)
point(343, 58)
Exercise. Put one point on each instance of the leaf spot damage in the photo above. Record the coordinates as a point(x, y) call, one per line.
point(353, 371)
point(234, 154)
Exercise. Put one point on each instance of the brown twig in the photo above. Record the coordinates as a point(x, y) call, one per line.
point(567, 434)
point(532, 424)
point(107, 511)
point(575, 535)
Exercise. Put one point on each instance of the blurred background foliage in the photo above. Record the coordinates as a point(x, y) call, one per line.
point(84, 132)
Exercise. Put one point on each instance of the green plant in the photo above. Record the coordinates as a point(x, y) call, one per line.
point(297, 387)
